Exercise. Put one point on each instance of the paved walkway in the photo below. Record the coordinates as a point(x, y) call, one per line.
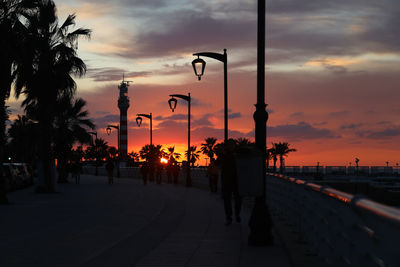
point(125, 224)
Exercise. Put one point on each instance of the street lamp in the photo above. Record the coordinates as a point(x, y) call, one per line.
point(139, 122)
point(108, 130)
point(199, 66)
point(260, 220)
point(172, 102)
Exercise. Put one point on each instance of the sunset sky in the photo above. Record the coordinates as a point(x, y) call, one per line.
point(332, 72)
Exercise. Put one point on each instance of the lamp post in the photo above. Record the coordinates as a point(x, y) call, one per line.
point(172, 105)
point(139, 122)
point(199, 66)
point(94, 143)
point(260, 220)
point(108, 130)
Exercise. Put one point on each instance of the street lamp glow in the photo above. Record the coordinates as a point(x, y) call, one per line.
point(198, 67)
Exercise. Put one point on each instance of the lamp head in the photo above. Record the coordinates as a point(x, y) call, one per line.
point(198, 67)
point(108, 130)
point(172, 103)
point(139, 120)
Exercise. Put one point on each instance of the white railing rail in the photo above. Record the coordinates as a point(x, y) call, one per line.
point(343, 229)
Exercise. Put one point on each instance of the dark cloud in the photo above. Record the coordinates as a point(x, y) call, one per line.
point(336, 69)
point(172, 117)
point(185, 31)
point(297, 114)
point(113, 74)
point(299, 131)
point(196, 102)
point(102, 122)
point(203, 121)
point(351, 126)
point(235, 115)
point(382, 134)
point(339, 113)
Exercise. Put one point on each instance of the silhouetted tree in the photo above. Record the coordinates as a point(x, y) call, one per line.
point(23, 135)
point(133, 157)
point(269, 156)
point(208, 148)
point(50, 58)
point(70, 125)
point(98, 151)
point(152, 153)
point(171, 154)
point(241, 142)
point(11, 47)
point(194, 155)
point(281, 149)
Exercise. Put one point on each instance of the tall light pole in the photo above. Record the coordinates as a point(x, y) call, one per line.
point(172, 105)
point(108, 130)
point(260, 220)
point(199, 66)
point(139, 122)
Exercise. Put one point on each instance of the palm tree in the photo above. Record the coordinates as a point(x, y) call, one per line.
point(133, 157)
point(171, 154)
point(243, 142)
point(98, 151)
point(50, 58)
point(152, 153)
point(194, 155)
point(269, 156)
point(23, 135)
point(208, 148)
point(70, 126)
point(282, 149)
point(11, 44)
point(274, 156)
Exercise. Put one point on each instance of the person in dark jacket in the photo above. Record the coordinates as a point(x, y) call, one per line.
point(110, 171)
point(229, 182)
point(144, 170)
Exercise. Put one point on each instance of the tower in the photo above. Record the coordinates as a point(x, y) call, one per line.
point(123, 105)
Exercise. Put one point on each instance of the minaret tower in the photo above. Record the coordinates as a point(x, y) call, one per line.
point(123, 105)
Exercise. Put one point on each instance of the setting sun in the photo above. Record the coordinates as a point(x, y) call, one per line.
point(163, 160)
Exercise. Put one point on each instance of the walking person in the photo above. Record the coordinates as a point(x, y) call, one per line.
point(229, 183)
point(144, 169)
point(175, 172)
point(76, 171)
point(159, 170)
point(110, 171)
point(212, 173)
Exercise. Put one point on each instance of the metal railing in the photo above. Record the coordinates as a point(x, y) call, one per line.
point(342, 229)
point(340, 170)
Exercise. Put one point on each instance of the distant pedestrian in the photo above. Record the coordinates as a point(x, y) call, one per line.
point(110, 171)
point(170, 169)
point(144, 170)
point(175, 172)
point(76, 171)
point(212, 173)
point(159, 167)
point(229, 182)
